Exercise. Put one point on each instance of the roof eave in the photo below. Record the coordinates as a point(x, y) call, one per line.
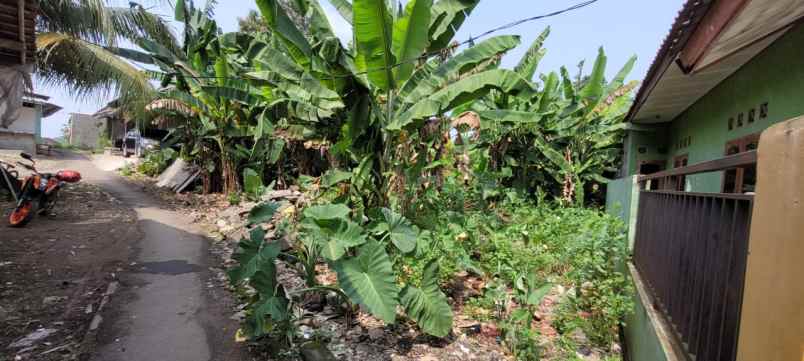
point(686, 24)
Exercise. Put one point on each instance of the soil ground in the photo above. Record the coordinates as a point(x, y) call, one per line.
point(107, 235)
point(58, 267)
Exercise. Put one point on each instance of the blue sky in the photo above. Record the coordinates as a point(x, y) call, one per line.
point(623, 27)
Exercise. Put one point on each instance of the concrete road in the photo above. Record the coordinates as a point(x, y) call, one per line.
point(163, 311)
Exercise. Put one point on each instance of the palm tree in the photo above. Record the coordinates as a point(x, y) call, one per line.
point(75, 41)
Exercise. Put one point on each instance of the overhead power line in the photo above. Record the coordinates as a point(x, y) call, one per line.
point(471, 41)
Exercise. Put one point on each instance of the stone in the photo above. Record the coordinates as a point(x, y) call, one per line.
point(96, 321)
point(52, 300)
point(314, 351)
point(376, 333)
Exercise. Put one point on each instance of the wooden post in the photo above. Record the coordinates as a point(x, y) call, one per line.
point(21, 14)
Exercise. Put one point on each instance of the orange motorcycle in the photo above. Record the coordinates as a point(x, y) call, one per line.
point(38, 192)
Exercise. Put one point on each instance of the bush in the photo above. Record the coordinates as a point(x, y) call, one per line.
point(126, 170)
point(514, 240)
point(155, 162)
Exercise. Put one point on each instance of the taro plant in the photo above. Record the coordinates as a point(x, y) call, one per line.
point(365, 269)
point(268, 308)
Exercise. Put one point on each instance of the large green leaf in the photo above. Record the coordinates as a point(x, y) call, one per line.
point(447, 18)
point(252, 182)
point(619, 79)
point(327, 212)
point(344, 8)
point(511, 116)
point(593, 89)
point(335, 176)
point(263, 212)
point(410, 37)
point(373, 27)
point(253, 255)
point(272, 305)
point(428, 306)
point(549, 93)
point(462, 91)
point(425, 82)
point(530, 61)
point(275, 61)
point(402, 233)
point(320, 28)
point(232, 90)
point(180, 11)
point(368, 279)
point(279, 21)
point(555, 158)
point(335, 237)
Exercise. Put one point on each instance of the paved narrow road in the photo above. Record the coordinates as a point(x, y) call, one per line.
point(163, 311)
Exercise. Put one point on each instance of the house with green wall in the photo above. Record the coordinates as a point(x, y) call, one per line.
point(727, 71)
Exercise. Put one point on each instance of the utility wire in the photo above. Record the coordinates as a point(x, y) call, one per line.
point(426, 56)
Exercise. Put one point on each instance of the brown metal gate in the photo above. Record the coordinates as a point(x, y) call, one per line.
point(691, 250)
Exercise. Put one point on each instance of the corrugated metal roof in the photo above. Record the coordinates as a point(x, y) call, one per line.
point(668, 90)
point(687, 21)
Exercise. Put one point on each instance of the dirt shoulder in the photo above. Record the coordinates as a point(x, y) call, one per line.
point(55, 272)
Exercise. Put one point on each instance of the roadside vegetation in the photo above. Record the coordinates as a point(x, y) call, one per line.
point(428, 167)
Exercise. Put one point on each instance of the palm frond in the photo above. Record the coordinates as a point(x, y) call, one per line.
point(88, 69)
point(93, 21)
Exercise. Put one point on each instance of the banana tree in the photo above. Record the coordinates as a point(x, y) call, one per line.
point(199, 83)
point(401, 75)
point(575, 126)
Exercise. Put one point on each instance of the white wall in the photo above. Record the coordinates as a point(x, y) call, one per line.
point(25, 123)
point(85, 130)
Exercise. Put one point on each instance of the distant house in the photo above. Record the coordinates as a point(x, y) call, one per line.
point(26, 131)
point(85, 130)
point(712, 164)
point(117, 123)
point(20, 112)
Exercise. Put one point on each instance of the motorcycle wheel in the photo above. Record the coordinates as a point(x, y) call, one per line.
point(22, 214)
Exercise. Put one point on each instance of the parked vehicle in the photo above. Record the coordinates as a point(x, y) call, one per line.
point(38, 192)
point(135, 144)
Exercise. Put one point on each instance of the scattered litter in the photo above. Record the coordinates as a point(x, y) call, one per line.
point(33, 337)
point(96, 321)
point(56, 349)
point(178, 176)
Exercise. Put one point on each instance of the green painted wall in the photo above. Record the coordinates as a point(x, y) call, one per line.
point(622, 198)
point(775, 76)
point(618, 198)
point(641, 340)
point(655, 146)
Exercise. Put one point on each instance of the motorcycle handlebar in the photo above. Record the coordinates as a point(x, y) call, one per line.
point(31, 168)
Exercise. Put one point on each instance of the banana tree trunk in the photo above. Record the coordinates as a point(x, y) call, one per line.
point(231, 182)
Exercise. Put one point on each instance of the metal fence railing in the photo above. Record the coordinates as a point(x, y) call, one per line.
point(691, 250)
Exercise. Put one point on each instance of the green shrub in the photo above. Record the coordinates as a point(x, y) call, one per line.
point(127, 170)
point(234, 198)
point(526, 246)
point(155, 162)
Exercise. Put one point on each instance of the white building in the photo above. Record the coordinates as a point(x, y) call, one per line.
point(25, 132)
